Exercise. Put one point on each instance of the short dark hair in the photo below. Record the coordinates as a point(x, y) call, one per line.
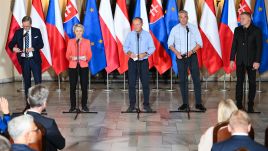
point(27, 18)
point(246, 13)
point(137, 18)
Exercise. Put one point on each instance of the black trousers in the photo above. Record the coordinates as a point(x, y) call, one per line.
point(73, 75)
point(192, 64)
point(240, 74)
point(132, 79)
point(29, 66)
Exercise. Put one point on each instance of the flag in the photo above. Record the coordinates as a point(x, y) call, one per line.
point(244, 6)
point(71, 17)
point(38, 20)
point(171, 19)
point(122, 25)
point(228, 23)
point(93, 33)
point(140, 11)
point(211, 50)
point(56, 37)
point(161, 59)
point(189, 6)
point(108, 33)
point(15, 23)
point(260, 20)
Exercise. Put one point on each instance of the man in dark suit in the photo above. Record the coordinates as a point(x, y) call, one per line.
point(27, 42)
point(246, 49)
point(239, 126)
point(37, 99)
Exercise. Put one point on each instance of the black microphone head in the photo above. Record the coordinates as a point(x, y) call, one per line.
point(187, 28)
point(77, 40)
point(138, 35)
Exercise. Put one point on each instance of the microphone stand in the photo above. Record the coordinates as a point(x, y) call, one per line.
point(77, 110)
point(188, 110)
point(138, 110)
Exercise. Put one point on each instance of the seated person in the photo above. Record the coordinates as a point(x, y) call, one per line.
point(6, 117)
point(225, 109)
point(4, 144)
point(239, 126)
point(22, 130)
point(37, 98)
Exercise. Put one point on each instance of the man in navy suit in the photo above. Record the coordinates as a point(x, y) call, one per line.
point(27, 42)
point(239, 126)
point(37, 99)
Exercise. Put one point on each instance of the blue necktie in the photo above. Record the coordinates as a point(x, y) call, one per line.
point(27, 40)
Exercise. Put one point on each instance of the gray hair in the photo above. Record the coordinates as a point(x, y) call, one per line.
point(78, 26)
point(20, 125)
point(183, 12)
point(37, 95)
point(4, 144)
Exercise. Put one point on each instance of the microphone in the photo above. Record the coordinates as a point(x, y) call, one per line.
point(138, 35)
point(187, 29)
point(77, 40)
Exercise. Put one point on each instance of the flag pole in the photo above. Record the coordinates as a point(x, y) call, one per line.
point(224, 84)
point(59, 88)
point(107, 83)
point(259, 86)
point(22, 86)
point(124, 85)
point(171, 82)
point(206, 82)
point(157, 84)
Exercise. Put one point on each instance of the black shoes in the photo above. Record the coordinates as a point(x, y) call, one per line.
point(200, 107)
point(131, 109)
point(85, 109)
point(147, 108)
point(72, 109)
point(184, 107)
point(250, 109)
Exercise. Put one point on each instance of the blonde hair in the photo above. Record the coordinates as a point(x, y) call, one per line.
point(239, 119)
point(78, 26)
point(225, 109)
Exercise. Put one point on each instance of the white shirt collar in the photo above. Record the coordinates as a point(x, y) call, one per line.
point(240, 134)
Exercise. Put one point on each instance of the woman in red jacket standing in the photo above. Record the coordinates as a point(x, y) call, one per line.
point(78, 53)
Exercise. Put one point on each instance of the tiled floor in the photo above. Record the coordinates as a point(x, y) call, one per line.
point(109, 130)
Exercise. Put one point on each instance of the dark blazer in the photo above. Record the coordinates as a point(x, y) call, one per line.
point(20, 147)
point(236, 142)
point(247, 48)
point(37, 43)
point(53, 136)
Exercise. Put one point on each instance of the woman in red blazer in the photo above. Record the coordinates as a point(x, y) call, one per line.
point(78, 53)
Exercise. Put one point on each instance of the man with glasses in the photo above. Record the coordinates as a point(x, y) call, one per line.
point(27, 42)
point(22, 130)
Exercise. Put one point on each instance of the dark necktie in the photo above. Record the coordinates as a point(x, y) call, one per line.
point(27, 40)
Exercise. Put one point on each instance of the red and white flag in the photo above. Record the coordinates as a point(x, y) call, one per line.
point(211, 50)
point(244, 6)
point(16, 18)
point(122, 29)
point(38, 21)
point(108, 33)
point(228, 24)
point(56, 37)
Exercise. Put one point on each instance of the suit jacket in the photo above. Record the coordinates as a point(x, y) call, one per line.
point(37, 43)
point(236, 142)
point(247, 46)
point(84, 50)
point(20, 147)
point(53, 136)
